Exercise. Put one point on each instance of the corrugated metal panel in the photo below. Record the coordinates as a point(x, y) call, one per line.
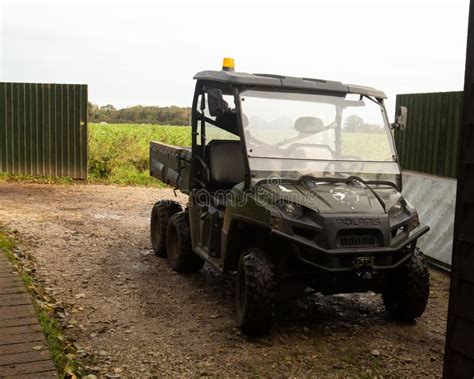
point(459, 359)
point(434, 198)
point(43, 129)
point(429, 143)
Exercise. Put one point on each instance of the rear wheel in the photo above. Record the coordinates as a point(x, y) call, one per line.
point(256, 292)
point(160, 214)
point(178, 245)
point(408, 288)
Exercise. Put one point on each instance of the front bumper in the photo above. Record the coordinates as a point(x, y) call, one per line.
point(346, 260)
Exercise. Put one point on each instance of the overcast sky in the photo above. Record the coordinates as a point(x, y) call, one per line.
point(147, 52)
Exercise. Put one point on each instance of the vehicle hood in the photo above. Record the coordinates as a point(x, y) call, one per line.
point(324, 197)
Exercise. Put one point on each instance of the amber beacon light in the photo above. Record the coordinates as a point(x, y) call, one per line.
point(228, 64)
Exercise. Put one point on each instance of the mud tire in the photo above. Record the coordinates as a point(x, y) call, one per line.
point(256, 292)
point(178, 245)
point(407, 291)
point(160, 215)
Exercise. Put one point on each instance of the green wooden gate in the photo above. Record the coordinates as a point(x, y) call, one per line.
point(43, 129)
point(430, 142)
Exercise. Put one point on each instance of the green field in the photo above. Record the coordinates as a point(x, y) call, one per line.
point(118, 153)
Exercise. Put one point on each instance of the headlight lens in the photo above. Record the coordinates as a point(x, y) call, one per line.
point(397, 209)
point(291, 209)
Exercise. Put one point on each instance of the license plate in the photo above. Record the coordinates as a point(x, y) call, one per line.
point(363, 262)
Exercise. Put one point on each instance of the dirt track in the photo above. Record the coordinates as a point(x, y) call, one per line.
point(132, 316)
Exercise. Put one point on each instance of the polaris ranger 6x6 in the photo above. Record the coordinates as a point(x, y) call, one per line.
point(292, 183)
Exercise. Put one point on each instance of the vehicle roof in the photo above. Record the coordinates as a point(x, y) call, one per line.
point(287, 82)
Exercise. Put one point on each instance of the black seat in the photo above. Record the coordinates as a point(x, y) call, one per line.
point(226, 164)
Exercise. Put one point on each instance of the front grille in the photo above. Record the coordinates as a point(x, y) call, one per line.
point(360, 241)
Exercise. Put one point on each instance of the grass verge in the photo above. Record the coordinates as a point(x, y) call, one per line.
point(62, 351)
point(4, 177)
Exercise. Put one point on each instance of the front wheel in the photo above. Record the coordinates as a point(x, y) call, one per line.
point(256, 292)
point(407, 290)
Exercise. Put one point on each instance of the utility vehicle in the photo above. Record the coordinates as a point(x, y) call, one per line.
point(293, 183)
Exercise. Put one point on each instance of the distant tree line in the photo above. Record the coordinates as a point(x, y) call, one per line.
point(356, 124)
point(139, 114)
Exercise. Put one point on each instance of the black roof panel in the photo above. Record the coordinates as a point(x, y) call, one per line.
point(287, 82)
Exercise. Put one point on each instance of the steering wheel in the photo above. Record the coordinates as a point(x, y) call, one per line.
point(351, 167)
point(294, 148)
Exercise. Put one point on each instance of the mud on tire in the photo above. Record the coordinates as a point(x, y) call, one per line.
point(256, 292)
point(178, 245)
point(407, 290)
point(160, 214)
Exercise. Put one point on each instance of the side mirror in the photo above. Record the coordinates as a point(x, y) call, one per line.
point(400, 118)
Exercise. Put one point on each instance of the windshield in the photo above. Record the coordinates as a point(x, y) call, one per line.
point(291, 135)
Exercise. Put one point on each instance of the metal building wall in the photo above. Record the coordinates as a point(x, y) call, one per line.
point(459, 350)
point(43, 129)
point(429, 143)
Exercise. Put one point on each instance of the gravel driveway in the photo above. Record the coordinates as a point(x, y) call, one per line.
point(132, 316)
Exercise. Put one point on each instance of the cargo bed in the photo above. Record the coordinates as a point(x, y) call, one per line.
point(171, 164)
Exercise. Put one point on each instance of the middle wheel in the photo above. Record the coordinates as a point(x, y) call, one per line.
point(178, 245)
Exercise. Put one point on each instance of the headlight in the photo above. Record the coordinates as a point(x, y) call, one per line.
point(291, 209)
point(397, 209)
